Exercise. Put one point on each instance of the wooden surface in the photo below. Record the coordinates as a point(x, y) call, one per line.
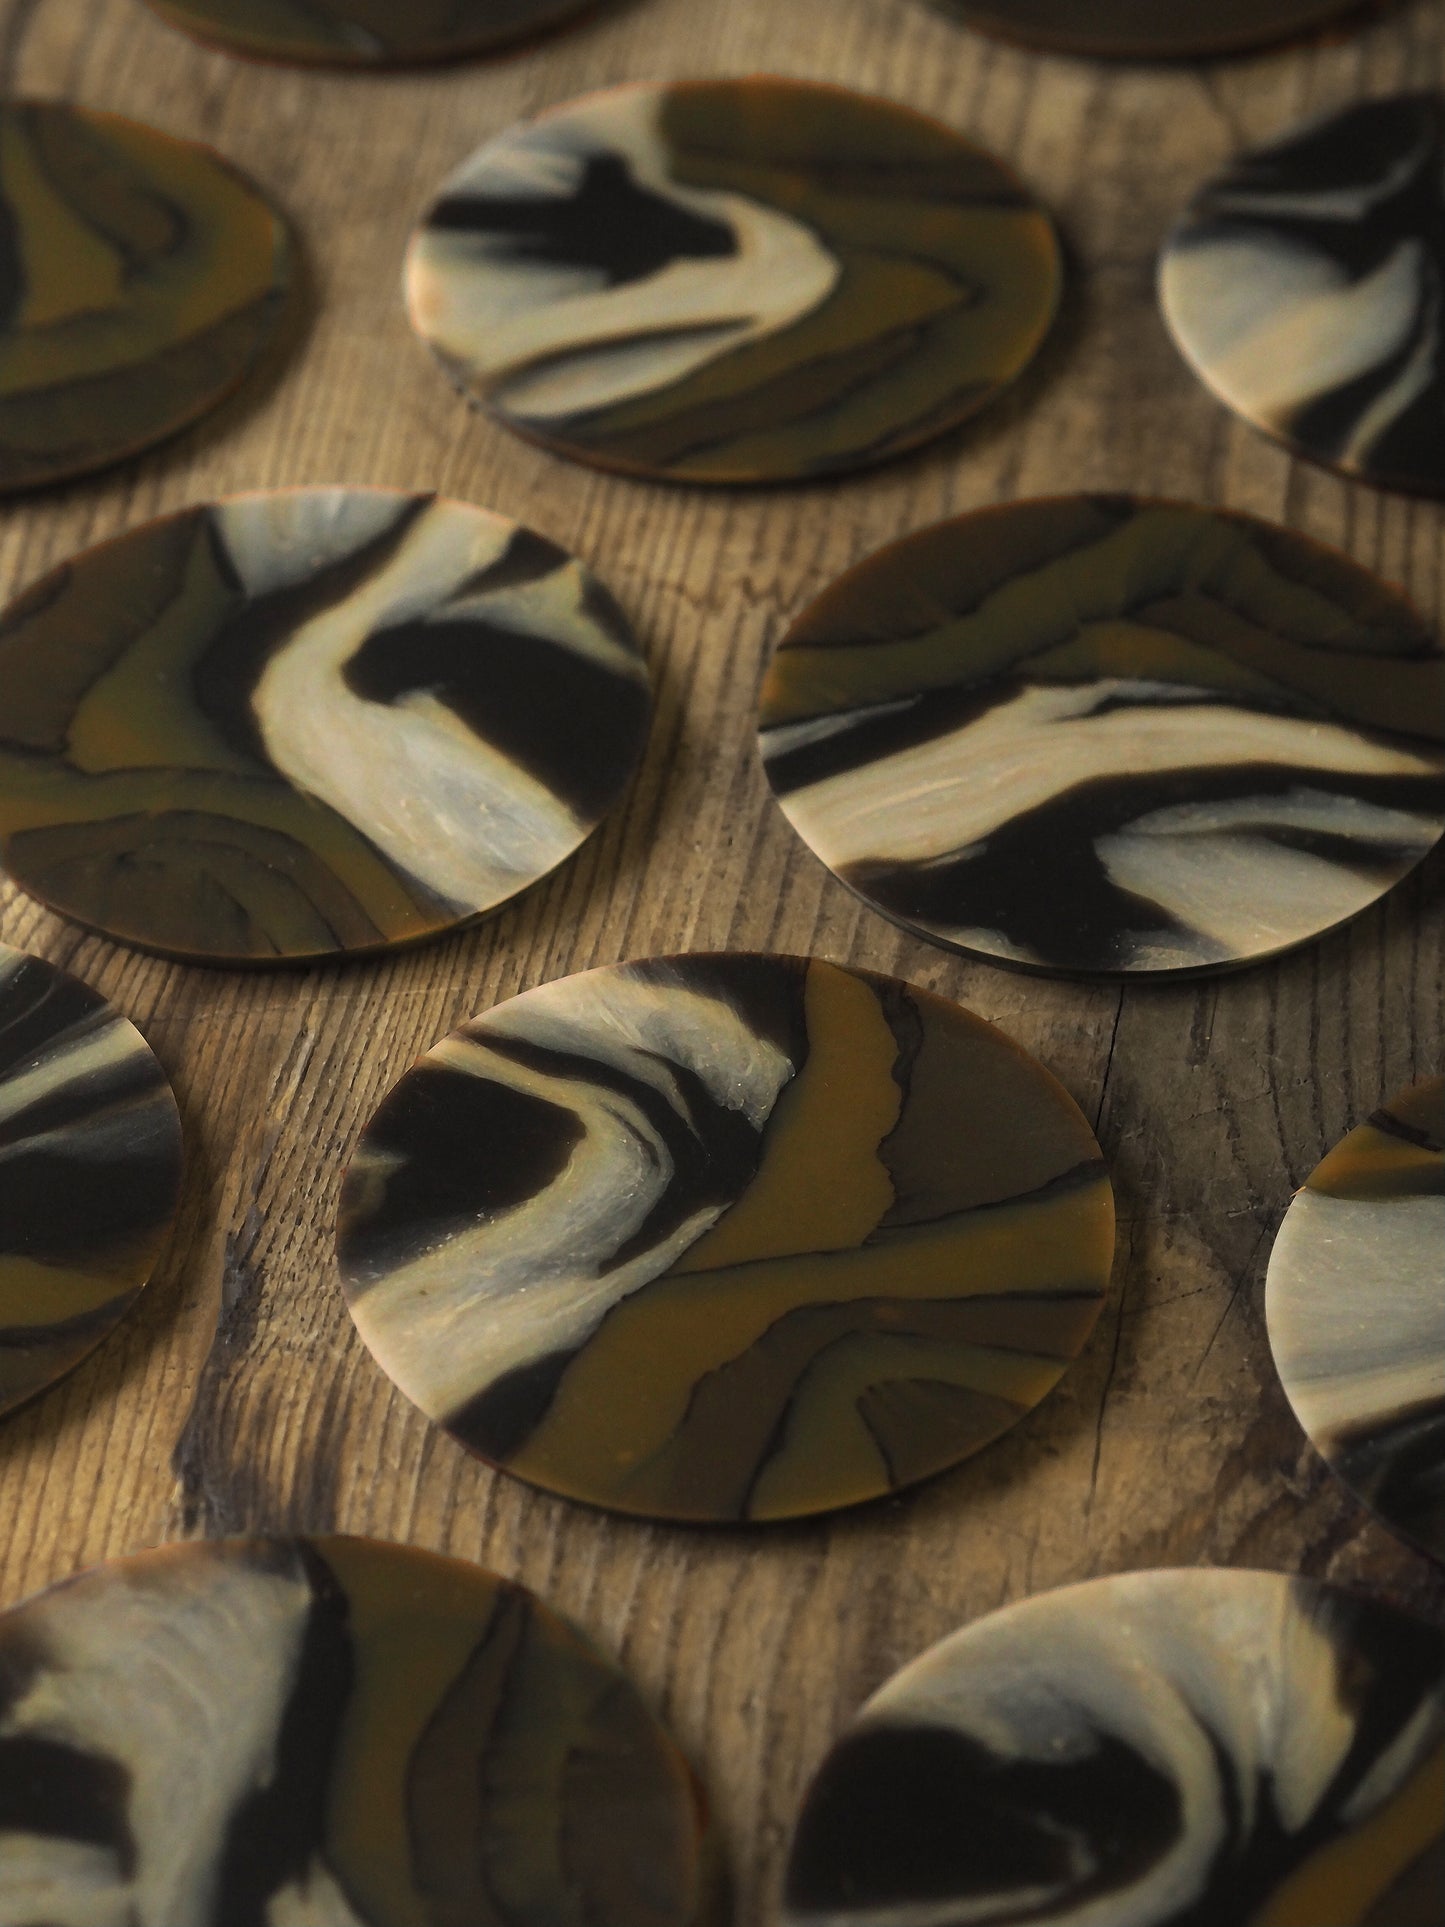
point(241, 1398)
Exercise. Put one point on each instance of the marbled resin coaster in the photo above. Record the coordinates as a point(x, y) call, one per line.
point(143, 278)
point(293, 725)
point(1304, 286)
point(1165, 1749)
point(726, 1238)
point(90, 1173)
point(1146, 29)
point(364, 33)
point(1356, 1311)
point(329, 1733)
point(733, 281)
point(1102, 734)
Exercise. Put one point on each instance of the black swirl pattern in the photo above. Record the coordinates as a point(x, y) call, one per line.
point(1166, 1749)
point(90, 1171)
point(330, 1733)
point(1104, 734)
point(1306, 288)
point(726, 1238)
point(733, 281)
point(1356, 1309)
point(309, 722)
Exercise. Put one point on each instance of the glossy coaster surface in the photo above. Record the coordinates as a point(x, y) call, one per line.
point(726, 1237)
point(1146, 29)
point(330, 1733)
point(733, 281)
point(1356, 1310)
point(363, 33)
point(291, 725)
point(1099, 734)
point(90, 1172)
point(1164, 1749)
point(1305, 286)
point(143, 277)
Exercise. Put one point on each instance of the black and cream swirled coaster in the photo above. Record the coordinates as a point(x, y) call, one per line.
point(726, 1238)
point(733, 281)
point(1304, 286)
point(143, 278)
point(1163, 1749)
point(1100, 734)
point(335, 1732)
point(311, 722)
point(364, 33)
point(1145, 29)
point(90, 1172)
point(1355, 1304)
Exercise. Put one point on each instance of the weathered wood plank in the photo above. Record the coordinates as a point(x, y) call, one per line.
point(239, 1397)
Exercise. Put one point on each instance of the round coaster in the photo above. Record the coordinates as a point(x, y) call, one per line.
point(1099, 734)
point(1143, 29)
point(363, 33)
point(726, 1238)
point(293, 725)
point(1356, 1311)
point(143, 278)
point(90, 1173)
point(332, 1732)
point(1163, 1749)
point(1302, 287)
point(733, 281)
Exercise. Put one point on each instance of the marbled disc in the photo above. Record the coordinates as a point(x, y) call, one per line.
point(329, 1733)
point(289, 725)
point(363, 33)
point(733, 281)
point(1356, 1310)
point(1100, 734)
point(90, 1173)
point(1163, 1749)
point(1146, 29)
point(726, 1237)
point(1306, 284)
point(142, 277)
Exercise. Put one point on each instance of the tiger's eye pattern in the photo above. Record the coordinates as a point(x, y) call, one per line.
point(733, 281)
point(363, 33)
point(1146, 29)
point(1107, 735)
point(90, 1171)
point(140, 279)
point(330, 1733)
point(1305, 286)
point(726, 1238)
point(1356, 1310)
point(294, 725)
point(1163, 1749)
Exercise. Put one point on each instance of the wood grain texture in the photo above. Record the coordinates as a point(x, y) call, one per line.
point(240, 1396)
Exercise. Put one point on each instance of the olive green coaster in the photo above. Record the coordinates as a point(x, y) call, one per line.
point(1303, 286)
point(90, 1172)
point(1356, 1309)
point(726, 1238)
point(334, 1732)
point(144, 276)
point(1104, 734)
point(364, 33)
point(1147, 29)
point(733, 281)
point(309, 723)
point(1167, 1749)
